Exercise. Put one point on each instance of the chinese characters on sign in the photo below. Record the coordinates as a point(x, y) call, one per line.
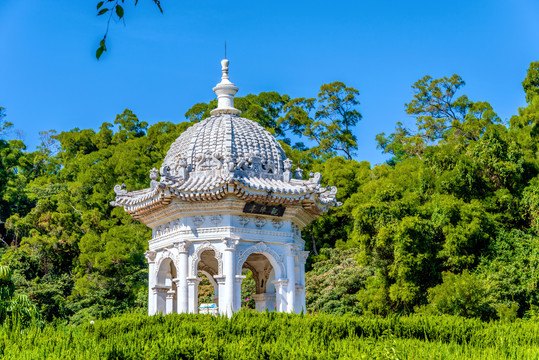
point(263, 209)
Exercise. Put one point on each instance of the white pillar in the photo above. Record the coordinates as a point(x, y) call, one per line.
point(160, 294)
point(150, 257)
point(221, 281)
point(264, 302)
point(192, 284)
point(237, 294)
point(229, 265)
point(281, 300)
point(183, 272)
point(301, 304)
point(291, 274)
point(170, 301)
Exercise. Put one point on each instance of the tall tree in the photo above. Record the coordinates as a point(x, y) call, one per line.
point(326, 121)
point(440, 117)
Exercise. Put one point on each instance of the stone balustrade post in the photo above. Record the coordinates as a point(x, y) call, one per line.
point(192, 285)
point(281, 286)
point(221, 283)
point(170, 301)
point(237, 289)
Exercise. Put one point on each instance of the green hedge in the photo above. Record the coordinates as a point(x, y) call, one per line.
point(250, 335)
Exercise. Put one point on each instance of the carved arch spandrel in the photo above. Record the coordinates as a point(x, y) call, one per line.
point(162, 256)
point(195, 258)
point(261, 248)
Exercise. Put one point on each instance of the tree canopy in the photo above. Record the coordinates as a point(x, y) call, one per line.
point(455, 210)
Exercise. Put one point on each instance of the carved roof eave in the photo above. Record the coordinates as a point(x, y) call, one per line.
point(312, 197)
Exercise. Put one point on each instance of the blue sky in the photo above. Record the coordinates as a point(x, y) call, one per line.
point(159, 65)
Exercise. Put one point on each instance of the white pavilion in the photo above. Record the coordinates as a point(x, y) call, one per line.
point(224, 200)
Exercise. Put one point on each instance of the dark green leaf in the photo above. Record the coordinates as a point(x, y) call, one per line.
point(99, 52)
point(119, 11)
point(99, 4)
point(102, 11)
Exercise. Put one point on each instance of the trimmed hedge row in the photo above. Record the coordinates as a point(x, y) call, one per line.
point(250, 335)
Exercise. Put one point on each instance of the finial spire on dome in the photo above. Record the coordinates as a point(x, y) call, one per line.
point(225, 91)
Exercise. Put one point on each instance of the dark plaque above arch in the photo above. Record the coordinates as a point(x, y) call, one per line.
point(264, 209)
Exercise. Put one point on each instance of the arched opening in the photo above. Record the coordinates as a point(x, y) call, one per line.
point(257, 289)
point(208, 290)
point(165, 288)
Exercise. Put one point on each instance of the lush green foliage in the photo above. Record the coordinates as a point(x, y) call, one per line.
point(250, 335)
point(334, 281)
point(454, 211)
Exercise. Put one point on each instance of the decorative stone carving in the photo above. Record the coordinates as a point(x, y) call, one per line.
point(150, 256)
point(154, 174)
point(260, 222)
point(120, 189)
point(181, 169)
point(287, 174)
point(291, 249)
point(230, 243)
point(216, 219)
point(244, 220)
point(295, 229)
point(163, 255)
point(182, 246)
point(302, 256)
point(277, 223)
point(196, 257)
point(198, 220)
point(299, 173)
point(314, 178)
point(262, 248)
point(166, 254)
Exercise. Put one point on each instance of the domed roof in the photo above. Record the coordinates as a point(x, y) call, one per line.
point(225, 136)
point(226, 154)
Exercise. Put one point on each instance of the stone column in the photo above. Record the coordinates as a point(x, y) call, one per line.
point(291, 275)
point(160, 295)
point(237, 290)
point(280, 294)
point(192, 285)
point(229, 269)
point(264, 302)
point(300, 289)
point(150, 257)
point(170, 301)
point(221, 283)
point(183, 272)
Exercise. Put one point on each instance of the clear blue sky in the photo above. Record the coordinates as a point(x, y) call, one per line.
point(160, 65)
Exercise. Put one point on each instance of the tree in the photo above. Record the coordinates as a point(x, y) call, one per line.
point(327, 121)
point(4, 125)
point(76, 256)
point(440, 117)
point(531, 82)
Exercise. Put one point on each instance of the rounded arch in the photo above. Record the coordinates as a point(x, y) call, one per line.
point(164, 257)
point(211, 279)
point(197, 254)
point(166, 272)
point(275, 259)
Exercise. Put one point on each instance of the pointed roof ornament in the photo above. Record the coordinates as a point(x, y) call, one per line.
point(225, 92)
